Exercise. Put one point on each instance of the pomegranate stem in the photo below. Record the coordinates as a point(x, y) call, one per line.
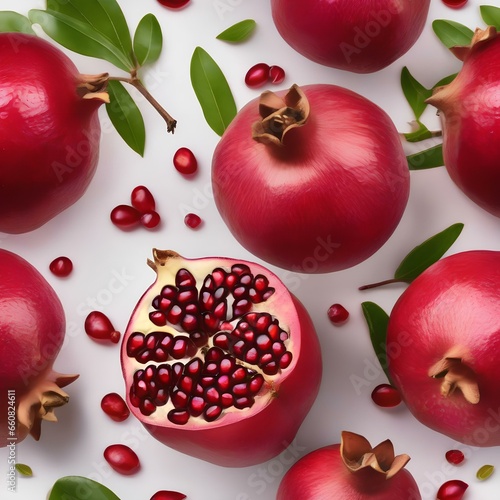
point(380, 283)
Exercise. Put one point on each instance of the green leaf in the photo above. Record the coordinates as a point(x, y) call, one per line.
point(103, 16)
point(79, 37)
point(445, 81)
point(238, 32)
point(490, 15)
point(485, 472)
point(24, 470)
point(126, 117)
point(377, 320)
point(420, 134)
point(427, 253)
point(12, 22)
point(80, 488)
point(212, 90)
point(428, 158)
point(415, 92)
point(148, 40)
point(452, 33)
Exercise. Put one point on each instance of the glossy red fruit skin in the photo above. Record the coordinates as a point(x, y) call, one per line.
point(122, 459)
point(322, 475)
point(49, 135)
point(455, 302)
point(358, 36)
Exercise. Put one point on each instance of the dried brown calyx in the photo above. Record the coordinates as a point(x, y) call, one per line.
point(357, 454)
point(94, 87)
point(480, 36)
point(280, 114)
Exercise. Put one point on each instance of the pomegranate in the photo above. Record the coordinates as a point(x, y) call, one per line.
point(359, 36)
point(448, 372)
point(32, 329)
point(350, 470)
point(321, 183)
point(122, 459)
point(468, 109)
point(220, 361)
point(49, 131)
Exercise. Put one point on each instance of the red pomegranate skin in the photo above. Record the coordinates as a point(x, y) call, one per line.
point(49, 134)
point(453, 303)
point(322, 475)
point(358, 36)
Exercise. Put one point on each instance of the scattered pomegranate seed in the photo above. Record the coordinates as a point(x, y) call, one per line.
point(338, 314)
point(192, 220)
point(142, 199)
point(386, 396)
point(122, 459)
point(168, 495)
point(61, 267)
point(185, 162)
point(125, 217)
point(114, 406)
point(150, 220)
point(452, 490)
point(257, 75)
point(455, 4)
point(455, 457)
point(99, 327)
point(173, 4)
point(276, 74)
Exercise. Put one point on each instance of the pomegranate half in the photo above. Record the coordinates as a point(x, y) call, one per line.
point(32, 329)
point(313, 179)
point(220, 361)
point(446, 326)
point(351, 470)
point(49, 131)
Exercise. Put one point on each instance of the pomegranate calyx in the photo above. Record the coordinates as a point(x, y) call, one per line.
point(93, 87)
point(478, 38)
point(357, 453)
point(279, 115)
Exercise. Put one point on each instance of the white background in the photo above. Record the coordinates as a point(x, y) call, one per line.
point(101, 252)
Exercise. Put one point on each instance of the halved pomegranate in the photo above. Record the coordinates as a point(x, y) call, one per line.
point(220, 360)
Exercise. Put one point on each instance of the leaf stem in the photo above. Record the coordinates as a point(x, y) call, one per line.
point(136, 82)
point(380, 283)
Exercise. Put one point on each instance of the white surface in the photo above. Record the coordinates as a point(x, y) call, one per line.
point(111, 273)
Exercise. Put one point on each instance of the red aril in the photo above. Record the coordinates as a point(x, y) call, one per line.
point(185, 161)
point(61, 267)
point(32, 329)
point(350, 470)
point(173, 4)
point(455, 457)
point(168, 495)
point(386, 396)
point(99, 327)
point(114, 406)
point(220, 361)
point(122, 459)
point(125, 217)
point(192, 220)
point(455, 4)
point(276, 74)
point(257, 75)
point(338, 314)
point(142, 199)
point(452, 490)
point(150, 220)
point(49, 131)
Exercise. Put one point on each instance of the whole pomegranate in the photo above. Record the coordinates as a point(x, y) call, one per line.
point(351, 470)
point(446, 328)
point(362, 36)
point(469, 110)
point(220, 361)
point(49, 131)
point(32, 329)
point(312, 180)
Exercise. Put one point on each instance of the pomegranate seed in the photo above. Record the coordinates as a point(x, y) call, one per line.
point(257, 75)
point(212, 413)
point(452, 490)
point(386, 396)
point(122, 459)
point(125, 217)
point(150, 220)
point(276, 74)
point(455, 4)
point(61, 267)
point(455, 457)
point(338, 314)
point(99, 327)
point(185, 162)
point(114, 406)
point(179, 417)
point(192, 220)
point(142, 199)
point(173, 4)
point(168, 495)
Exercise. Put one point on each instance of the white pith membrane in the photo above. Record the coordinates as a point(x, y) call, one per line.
point(357, 453)
point(167, 264)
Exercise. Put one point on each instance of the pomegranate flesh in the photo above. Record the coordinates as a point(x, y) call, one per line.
point(220, 361)
point(350, 470)
point(312, 180)
point(448, 373)
point(362, 36)
point(49, 131)
point(32, 329)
